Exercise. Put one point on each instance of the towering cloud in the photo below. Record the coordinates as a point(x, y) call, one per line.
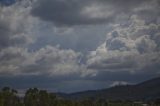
point(129, 48)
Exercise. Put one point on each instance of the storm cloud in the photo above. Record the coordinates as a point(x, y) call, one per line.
point(62, 44)
point(86, 12)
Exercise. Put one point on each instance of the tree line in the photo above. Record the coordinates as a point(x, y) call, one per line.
point(36, 97)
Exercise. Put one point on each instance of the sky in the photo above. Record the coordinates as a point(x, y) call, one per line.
point(76, 45)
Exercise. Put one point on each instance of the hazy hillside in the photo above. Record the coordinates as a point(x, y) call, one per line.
point(143, 91)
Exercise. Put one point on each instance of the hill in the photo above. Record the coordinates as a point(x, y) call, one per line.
point(147, 90)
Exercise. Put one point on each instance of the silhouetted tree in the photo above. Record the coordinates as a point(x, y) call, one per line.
point(31, 97)
point(8, 97)
point(53, 100)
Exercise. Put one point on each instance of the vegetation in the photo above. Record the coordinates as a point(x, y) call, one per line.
point(35, 97)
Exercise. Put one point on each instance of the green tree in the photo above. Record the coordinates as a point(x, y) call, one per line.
point(44, 99)
point(53, 100)
point(31, 97)
point(8, 97)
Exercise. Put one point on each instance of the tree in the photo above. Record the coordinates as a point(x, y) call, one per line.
point(8, 97)
point(53, 100)
point(31, 97)
point(44, 99)
point(157, 102)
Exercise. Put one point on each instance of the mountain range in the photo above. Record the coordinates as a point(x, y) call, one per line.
point(147, 90)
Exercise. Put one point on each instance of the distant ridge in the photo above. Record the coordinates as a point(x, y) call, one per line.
point(147, 90)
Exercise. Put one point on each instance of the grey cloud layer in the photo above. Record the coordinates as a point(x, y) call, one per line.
point(131, 48)
point(12, 27)
point(49, 61)
point(84, 12)
point(16, 58)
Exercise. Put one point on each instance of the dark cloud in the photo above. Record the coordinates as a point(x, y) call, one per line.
point(59, 11)
point(83, 12)
point(43, 82)
point(113, 65)
point(86, 55)
point(7, 2)
point(73, 83)
point(5, 32)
